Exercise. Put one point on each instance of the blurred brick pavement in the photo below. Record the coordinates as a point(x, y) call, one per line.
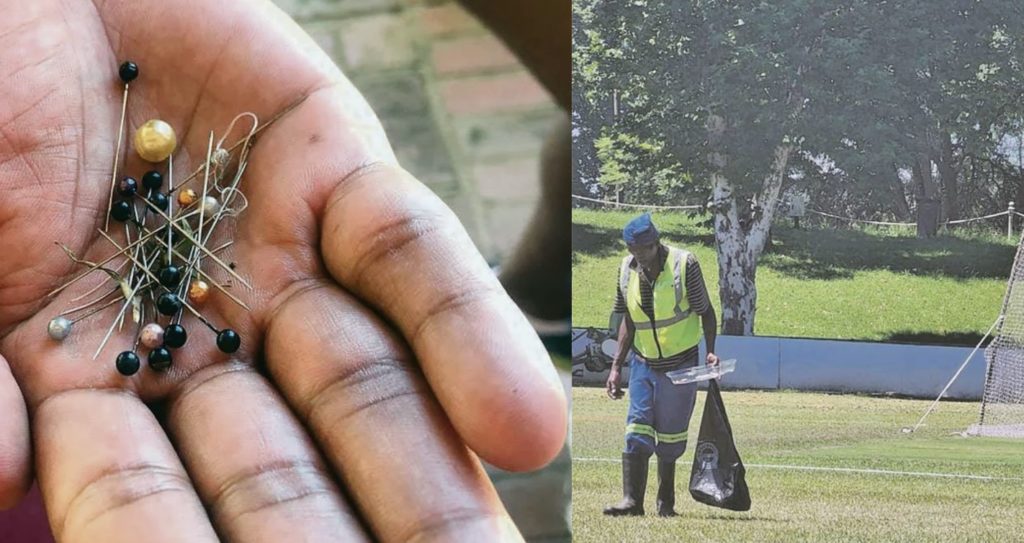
point(463, 115)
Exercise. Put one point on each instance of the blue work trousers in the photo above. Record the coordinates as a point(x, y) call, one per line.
point(659, 412)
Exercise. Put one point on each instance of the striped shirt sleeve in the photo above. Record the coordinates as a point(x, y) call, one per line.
point(696, 290)
point(620, 302)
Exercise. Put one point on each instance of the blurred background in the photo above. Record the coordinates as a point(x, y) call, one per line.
point(462, 113)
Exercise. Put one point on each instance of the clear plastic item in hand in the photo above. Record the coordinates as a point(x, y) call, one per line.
point(702, 372)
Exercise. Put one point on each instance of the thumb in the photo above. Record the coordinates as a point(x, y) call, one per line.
point(15, 449)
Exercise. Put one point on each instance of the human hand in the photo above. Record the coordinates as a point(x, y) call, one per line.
point(379, 345)
point(612, 386)
point(713, 361)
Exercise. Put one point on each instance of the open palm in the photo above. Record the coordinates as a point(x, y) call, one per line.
point(378, 346)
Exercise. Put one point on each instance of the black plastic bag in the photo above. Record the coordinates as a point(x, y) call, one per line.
point(718, 477)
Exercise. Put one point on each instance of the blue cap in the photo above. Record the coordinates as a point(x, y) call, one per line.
point(640, 231)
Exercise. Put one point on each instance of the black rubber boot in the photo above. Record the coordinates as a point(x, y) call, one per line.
point(666, 488)
point(634, 485)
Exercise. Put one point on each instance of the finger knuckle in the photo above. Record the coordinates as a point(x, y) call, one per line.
point(270, 486)
point(449, 525)
point(457, 301)
point(362, 387)
point(119, 488)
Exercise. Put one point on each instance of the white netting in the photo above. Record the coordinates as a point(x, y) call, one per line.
point(1002, 405)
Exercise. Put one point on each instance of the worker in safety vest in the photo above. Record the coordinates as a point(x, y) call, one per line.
point(662, 307)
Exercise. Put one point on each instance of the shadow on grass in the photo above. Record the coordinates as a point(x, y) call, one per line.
point(837, 254)
point(597, 241)
point(688, 239)
point(600, 241)
point(959, 339)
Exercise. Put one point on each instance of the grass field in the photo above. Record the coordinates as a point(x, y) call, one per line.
point(880, 285)
point(796, 446)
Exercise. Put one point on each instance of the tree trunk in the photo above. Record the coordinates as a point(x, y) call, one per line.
point(738, 290)
point(740, 248)
point(736, 279)
point(948, 173)
point(928, 203)
point(900, 193)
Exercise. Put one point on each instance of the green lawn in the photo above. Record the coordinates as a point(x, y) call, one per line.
point(779, 431)
point(871, 284)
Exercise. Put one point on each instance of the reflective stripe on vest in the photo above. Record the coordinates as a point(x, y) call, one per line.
point(678, 279)
point(674, 328)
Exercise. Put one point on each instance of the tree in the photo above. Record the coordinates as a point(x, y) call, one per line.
point(715, 83)
point(743, 94)
point(587, 117)
point(950, 81)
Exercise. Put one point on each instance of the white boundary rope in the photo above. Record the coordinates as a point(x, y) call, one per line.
point(637, 206)
point(867, 471)
point(992, 216)
point(883, 223)
point(816, 212)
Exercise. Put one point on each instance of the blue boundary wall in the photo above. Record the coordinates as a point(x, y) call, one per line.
point(775, 363)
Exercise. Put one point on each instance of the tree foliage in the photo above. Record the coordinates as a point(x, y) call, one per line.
point(869, 88)
point(876, 108)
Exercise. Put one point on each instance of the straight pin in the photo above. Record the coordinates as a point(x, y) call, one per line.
point(127, 78)
point(200, 246)
point(98, 265)
point(152, 277)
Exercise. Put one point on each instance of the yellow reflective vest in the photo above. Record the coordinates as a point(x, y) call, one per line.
point(674, 327)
